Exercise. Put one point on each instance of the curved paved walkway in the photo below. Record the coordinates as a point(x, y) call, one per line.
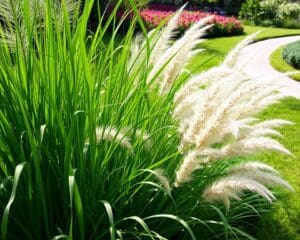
point(255, 61)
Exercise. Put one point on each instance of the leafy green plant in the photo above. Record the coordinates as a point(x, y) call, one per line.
point(250, 10)
point(291, 54)
point(272, 12)
point(269, 9)
point(118, 140)
point(288, 11)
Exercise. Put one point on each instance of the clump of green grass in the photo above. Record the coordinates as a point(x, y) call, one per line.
point(95, 142)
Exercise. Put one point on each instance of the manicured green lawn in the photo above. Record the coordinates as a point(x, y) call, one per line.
point(216, 48)
point(283, 223)
point(279, 64)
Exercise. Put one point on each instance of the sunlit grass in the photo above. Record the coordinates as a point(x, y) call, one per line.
point(283, 223)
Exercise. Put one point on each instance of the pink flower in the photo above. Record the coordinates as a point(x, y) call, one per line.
point(223, 25)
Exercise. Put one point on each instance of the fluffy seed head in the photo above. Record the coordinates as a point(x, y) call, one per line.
point(163, 179)
point(189, 164)
point(112, 134)
point(232, 187)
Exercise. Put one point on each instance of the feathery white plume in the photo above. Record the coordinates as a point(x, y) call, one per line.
point(172, 61)
point(137, 53)
point(231, 187)
point(253, 144)
point(158, 42)
point(253, 166)
point(273, 123)
point(205, 127)
point(243, 147)
point(265, 178)
point(190, 163)
point(162, 41)
point(163, 179)
point(260, 172)
point(193, 85)
point(235, 127)
point(112, 134)
point(120, 136)
point(231, 59)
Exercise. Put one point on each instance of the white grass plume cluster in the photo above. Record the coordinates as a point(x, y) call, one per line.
point(231, 187)
point(172, 61)
point(13, 32)
point(166, 59)
point(231, 59)
point(216, 112)
point(159, 41)
point(251, 176)
point(217, 107)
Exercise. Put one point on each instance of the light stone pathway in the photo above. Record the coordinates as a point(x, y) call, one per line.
point(255, 61)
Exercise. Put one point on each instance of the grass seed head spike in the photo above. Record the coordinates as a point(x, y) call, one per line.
point(232, 187)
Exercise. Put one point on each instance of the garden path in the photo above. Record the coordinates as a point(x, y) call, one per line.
point(255, 61)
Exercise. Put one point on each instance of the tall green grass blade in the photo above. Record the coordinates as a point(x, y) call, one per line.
point(109, 213)
point(142, 223)
point(177, 219)
point(71, 191)
point(5, 216)
point(76, 204)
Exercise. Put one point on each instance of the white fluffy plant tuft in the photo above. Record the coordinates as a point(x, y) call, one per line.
point(251, 176)
point(167, 58)
point(215, 108)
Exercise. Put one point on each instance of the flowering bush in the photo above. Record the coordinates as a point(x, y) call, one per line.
point(288, 10)
point(222, 26)
point(279, 9)
point(275, 12)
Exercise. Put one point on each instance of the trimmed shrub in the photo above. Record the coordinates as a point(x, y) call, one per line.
point(291, 54)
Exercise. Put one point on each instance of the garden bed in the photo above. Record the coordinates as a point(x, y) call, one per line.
point(222, 26)
point(152, 18)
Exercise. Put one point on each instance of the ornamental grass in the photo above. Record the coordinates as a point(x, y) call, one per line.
point(107, 139)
